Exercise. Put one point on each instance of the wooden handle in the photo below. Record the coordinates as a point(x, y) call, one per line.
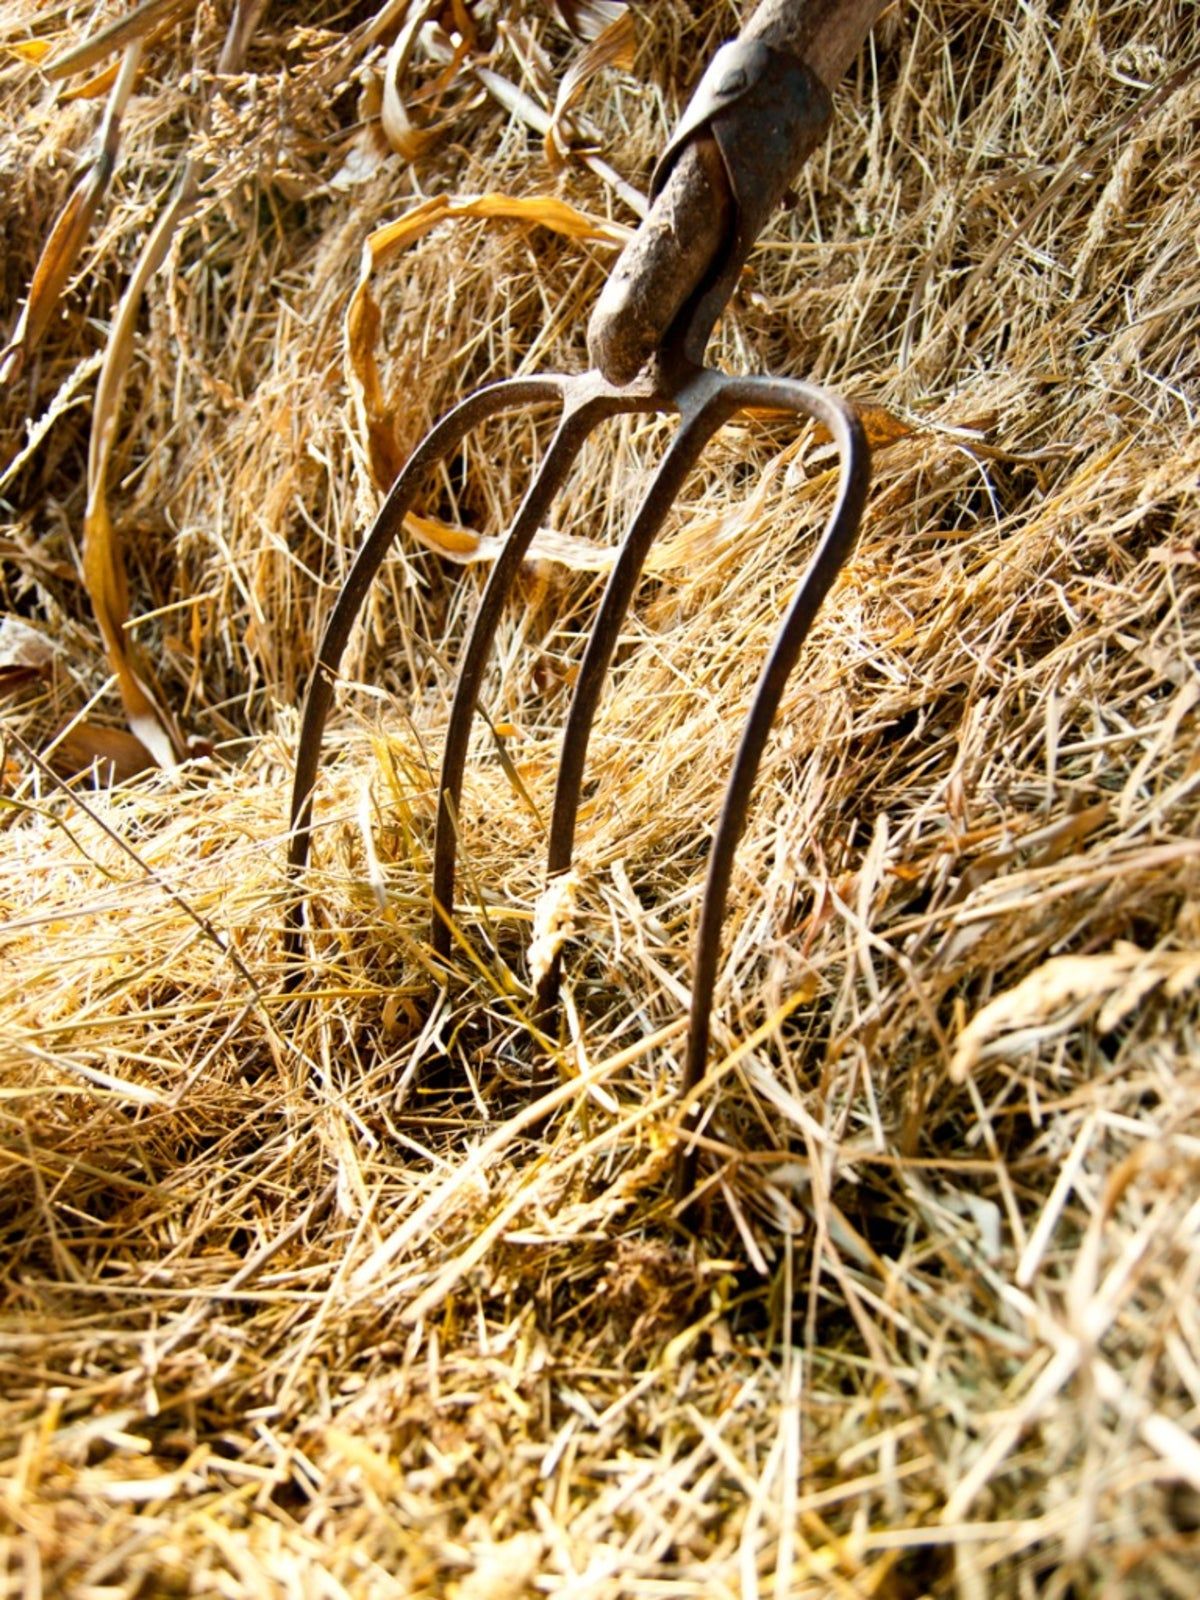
point(826, 34)
point(688, 226)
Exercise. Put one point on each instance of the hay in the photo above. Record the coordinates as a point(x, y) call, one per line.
point(329, 1300)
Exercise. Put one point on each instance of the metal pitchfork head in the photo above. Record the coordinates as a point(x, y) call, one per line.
point(756, 114)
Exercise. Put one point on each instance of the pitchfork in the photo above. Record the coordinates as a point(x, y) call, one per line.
point(759, 110)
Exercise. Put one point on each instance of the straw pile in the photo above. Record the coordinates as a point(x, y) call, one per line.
point(369, 1296)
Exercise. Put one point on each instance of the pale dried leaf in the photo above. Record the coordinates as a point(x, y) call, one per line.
point(587, 19)
point(114, 754)
point(614, 47)
point(405, 136)
point(62, 247)
point(553, 923)
point(1066, 992)
point(502, 1571)
point(25, 648)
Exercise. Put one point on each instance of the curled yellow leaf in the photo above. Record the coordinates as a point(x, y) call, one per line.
point(374, 412)
point(404, 133)
point(104, 577)
point(32, 50)
point(446, 538)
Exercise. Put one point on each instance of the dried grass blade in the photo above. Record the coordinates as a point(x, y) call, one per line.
point(62, 248)
point(515, 100)
point(465, 547)
point(524, 107)
point(587, 19)
point(92, 88)
point(130, 29)
point(68, 396)
point(123, 1088)
point(882, 427)
point(384, 20)
point(103, 560)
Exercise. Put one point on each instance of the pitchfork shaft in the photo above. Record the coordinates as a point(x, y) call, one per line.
point(680, 242)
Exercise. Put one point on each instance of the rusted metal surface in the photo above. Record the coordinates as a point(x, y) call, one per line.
point(689, 225)
point(760, 110)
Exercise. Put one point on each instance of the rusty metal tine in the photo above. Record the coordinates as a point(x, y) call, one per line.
point(704, 407)
point(584, 405)
point(444, 437)
point(834, 547)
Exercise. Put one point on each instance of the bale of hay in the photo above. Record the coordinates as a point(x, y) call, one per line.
point(372, 1293)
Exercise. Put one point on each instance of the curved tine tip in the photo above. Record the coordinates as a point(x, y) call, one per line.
point(834, 546)
point(581, 412)
point(445, 436)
